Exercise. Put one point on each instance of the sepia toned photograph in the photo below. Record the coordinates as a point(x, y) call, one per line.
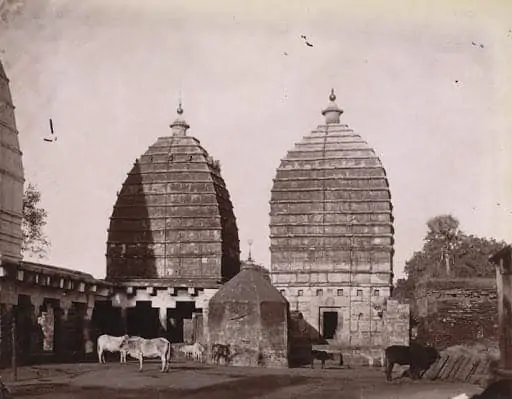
point(224, 199)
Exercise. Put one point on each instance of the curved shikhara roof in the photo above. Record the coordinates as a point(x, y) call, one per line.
point(173, 217)
point(331, 205)
point(11, 177)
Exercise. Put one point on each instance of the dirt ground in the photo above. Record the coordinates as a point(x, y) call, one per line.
point(199, 381)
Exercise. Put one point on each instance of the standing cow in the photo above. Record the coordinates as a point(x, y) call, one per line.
point(194, 351)
point(221, 351)
point(139, 348)
point(110, 343)
point(322, 356)
point(417, 356)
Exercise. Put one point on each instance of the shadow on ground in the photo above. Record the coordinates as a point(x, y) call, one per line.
point(243, 387)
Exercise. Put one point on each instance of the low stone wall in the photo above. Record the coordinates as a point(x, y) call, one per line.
point(457, 311)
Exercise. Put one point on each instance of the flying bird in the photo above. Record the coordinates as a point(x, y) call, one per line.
point(306, 40)
point(52, 137)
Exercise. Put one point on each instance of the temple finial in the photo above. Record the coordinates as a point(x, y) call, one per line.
point(332, 112)
point(249, 257)
point(332, 97)
point(179, 126)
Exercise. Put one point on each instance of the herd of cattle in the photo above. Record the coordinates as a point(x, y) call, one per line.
point(418, 357)
point(140, 348)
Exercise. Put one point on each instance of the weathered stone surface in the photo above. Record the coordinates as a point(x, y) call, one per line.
point(331, 231)
point(11, 177)
point(457, 311)
point(173, 217)
point(252, 316)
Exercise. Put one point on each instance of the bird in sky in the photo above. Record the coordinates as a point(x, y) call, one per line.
point(52, 136)
point(306, 41)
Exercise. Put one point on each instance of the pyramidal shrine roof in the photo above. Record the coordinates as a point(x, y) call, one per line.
point(173, 218)
point(249, 286)
point(330, 203)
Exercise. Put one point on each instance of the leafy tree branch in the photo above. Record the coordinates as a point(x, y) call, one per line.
point(35, 242)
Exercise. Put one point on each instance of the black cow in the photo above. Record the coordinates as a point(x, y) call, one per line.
point(418, 357)
point(501, 389)
point(221, 351)
point(320, 355)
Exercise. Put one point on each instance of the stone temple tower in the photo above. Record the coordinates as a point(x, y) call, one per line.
point(173, 238)
point(331, 232)
point(11, 178)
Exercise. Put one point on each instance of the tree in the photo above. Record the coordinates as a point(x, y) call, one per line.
point(444, 233)
point(35, 242)
point(462, 255)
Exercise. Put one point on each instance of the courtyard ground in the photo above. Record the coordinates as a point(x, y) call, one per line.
point(199, 381)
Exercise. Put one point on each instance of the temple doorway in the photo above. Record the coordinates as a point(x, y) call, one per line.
point(329, 321)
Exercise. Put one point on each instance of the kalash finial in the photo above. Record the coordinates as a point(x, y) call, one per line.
point(332, 97)
point(249, 258)
point(332, 112)
point(179, 126)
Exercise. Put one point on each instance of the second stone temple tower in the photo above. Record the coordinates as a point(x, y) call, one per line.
point(331, 232)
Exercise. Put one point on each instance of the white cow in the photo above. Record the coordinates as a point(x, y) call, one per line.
point(111, 343)
point(194, 351)
point(139, 348)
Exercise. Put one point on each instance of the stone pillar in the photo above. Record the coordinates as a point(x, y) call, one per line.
point(37, 335)
point(60, 330)
point(162, 314)
point(6, 319)
point(188, 331)
point(88, 343)
point(47, 323)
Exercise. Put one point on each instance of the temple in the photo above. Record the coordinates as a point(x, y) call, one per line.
point(11, 177)
point(331, 234)
point(172, 240)
point(46, 310)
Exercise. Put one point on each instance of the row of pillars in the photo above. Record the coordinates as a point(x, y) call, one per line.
point(197, 325)
point(37, 326)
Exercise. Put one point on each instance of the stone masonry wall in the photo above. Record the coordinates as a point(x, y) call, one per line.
point(458, 311)
point(364, 319)
point(11, 177)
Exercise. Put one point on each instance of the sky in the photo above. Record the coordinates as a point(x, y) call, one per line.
point(427, 85)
